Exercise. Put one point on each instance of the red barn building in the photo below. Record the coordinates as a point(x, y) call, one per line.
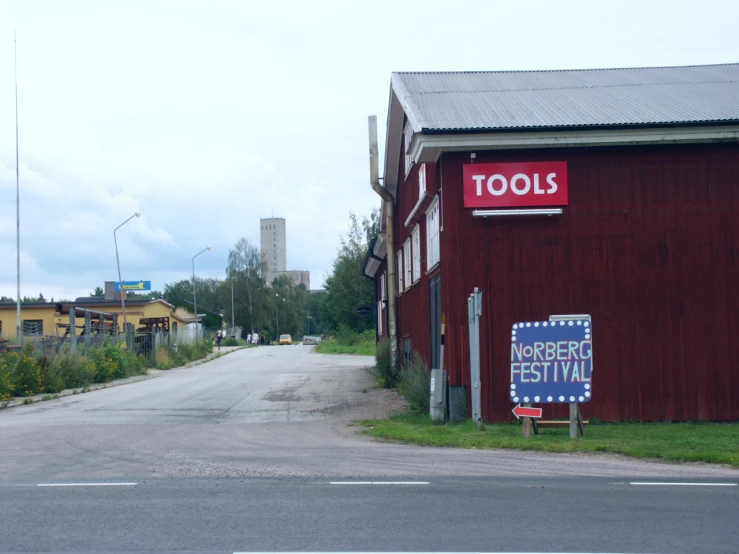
point(646, 175)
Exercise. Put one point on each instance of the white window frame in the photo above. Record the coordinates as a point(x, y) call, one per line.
point(407, 139)
point(399, 270)
point(382, 286)
point(433, 237)
point(416, 238)
point(379, 318)
point(407, 264)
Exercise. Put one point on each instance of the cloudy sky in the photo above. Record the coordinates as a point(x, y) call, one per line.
point(207, 115)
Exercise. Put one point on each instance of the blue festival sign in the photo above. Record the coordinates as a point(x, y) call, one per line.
point(132, 285)
point(552, 361)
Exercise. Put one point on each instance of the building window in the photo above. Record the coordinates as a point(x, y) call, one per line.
point(407, 261)
point(407, 138)
point(416, 238)
point(399, 270)
point(433, 252)
point(379, 317)
point(33, 327)
point(382, 287)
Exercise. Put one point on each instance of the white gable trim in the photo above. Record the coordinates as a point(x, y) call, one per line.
point(428, 148)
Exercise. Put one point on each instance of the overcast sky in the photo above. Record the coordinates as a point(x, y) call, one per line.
point(207, 115)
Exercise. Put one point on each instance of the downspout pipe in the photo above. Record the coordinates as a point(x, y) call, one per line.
point(392, 328)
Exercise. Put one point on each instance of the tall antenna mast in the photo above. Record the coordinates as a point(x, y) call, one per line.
point(17, 197)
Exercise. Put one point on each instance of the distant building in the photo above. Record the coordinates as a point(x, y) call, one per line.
point(299, 277)
point(52, 318)
point(273, 240)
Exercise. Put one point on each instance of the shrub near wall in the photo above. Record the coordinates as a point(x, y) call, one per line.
point(22, 374)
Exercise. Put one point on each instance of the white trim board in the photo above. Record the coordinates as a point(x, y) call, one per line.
point(428, 148)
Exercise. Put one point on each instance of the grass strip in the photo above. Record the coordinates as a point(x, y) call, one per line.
point(715, 443)
point(364, 348)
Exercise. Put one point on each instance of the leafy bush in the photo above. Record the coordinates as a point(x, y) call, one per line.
point(347, 336)
point(415, 384)
point(233, 342)
point(385, 375)
point(51, 378)
point(105, 368)
point(75, 370)
point(6, 379)
point(26, 374)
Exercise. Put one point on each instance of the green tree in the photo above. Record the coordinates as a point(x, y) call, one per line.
point(287, 307)
point(210, 298)
point(315, 324)
point(245, 272)
point(98, 292)
point(346, 288)
point(32, 299)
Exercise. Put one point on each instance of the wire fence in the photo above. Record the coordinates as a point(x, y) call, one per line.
point(143, 343)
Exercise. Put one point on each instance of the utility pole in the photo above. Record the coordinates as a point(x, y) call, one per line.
point(19, 334)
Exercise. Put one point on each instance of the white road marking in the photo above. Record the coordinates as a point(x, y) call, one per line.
point(687, 484)
point(86, 484)
point(379, 483)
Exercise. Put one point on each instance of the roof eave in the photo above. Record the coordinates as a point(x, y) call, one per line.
point(427, 147)
point(532, 129)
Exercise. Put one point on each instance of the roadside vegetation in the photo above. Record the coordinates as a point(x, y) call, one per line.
point(27, 373)
point(714, 443)
point(349, 342)
point(411, 378)
point(169, 356)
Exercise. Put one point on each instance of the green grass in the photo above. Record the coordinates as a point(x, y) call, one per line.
point(716, 443)
point(363, 348)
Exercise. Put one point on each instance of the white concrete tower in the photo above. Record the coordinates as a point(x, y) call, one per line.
point(273, 238)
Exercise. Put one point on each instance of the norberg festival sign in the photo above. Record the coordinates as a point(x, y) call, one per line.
point(552, 361)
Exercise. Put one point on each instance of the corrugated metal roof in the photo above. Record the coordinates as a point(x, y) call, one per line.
point(571, 98)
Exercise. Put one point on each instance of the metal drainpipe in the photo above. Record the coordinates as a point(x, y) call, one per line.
point(392, 331)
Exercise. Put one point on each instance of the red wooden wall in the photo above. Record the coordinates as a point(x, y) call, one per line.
point(413, 304)
point(649, 246)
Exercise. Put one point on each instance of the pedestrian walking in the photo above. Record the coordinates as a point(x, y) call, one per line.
point(248, 339)
point(218, 339)
point(255, 338)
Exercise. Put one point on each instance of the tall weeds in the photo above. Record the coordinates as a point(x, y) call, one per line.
point(385, 374)
point(415, 384)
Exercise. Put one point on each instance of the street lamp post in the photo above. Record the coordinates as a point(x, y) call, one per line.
point(120, 279)
point(194, 296)
point(307, 324)
point(278, 314)
point(233, 324)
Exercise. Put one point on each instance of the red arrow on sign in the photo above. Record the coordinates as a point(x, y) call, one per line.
point(519, 411)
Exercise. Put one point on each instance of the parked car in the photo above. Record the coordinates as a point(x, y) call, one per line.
point(311, 340)
point(286, 339)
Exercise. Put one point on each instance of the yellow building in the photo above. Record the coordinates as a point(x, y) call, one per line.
point(52, 318)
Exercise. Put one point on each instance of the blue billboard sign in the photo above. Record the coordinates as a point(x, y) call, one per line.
point(552, 361)
point(132, 285)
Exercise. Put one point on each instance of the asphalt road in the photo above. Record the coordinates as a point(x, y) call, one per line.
point(240, 454)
